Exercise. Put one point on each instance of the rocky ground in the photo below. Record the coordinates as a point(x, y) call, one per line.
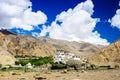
point(62, 75)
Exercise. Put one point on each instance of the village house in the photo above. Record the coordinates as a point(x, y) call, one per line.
point(29, 66)
point(63, 56)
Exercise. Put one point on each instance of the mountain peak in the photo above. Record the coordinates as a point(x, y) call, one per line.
point(7, 32)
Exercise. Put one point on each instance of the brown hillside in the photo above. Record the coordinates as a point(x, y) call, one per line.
point(25, 45)
point(79, 48)
point(107, 56)
point(21, 45)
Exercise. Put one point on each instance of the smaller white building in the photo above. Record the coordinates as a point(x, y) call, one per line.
point(29, 66)
point(62, 56)
point(76, 58)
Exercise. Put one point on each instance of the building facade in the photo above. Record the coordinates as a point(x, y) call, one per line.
point(63, 56)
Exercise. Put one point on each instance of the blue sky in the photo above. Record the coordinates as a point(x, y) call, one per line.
point(65, 19)
point(104, 9)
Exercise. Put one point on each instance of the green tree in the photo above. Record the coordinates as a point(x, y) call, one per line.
point(0, 65)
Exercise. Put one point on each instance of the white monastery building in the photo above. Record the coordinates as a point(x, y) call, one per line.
point(63, 56)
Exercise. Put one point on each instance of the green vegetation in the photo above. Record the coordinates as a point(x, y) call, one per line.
point(22, 62)
point(0, 65)
point(94, 67)
point(58, 66)
point(105, 67)
point(75, 64)
point(26, 57)
point(70, 64)
point(37, 61)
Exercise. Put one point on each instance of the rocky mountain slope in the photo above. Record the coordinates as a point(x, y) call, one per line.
point(109, 55)
point(12, 45)
point(79, 48)
point(25, 45)
point(16, 45)
point(5, 57)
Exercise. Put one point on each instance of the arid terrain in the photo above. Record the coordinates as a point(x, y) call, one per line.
point(59, 39)
point(60, 75)
point(12, 45)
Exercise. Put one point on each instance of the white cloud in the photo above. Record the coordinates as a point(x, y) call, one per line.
point(19, 15)
point(119, 3)
point(76, 25)
point(35, 34)
point(115, 21)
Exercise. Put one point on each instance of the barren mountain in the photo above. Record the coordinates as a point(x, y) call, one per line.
point(109, 55)
point(25, 45)
point(42, 46)
point(12, 44)
point(79, 48)
point(5, 57)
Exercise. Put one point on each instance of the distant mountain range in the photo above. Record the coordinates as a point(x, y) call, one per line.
point(77, 48)
point(12, 45)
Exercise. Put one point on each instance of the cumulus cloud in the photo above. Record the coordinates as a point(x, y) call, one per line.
point(19, 15)
point(115, 21)
point(119, 3)
point(75, 25)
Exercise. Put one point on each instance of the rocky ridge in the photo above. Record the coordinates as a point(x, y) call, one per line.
point(18, 45)
point(78, 48)
point(12, 45)
point(109, 55)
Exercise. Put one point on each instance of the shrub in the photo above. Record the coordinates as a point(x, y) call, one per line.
point(58, 66)
point(0, 65)
point(74, 63)
point(92, 66)
point(117, 66)
point(5, 68)
point(35, 61)
point(105, 67)
point(22, 62)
